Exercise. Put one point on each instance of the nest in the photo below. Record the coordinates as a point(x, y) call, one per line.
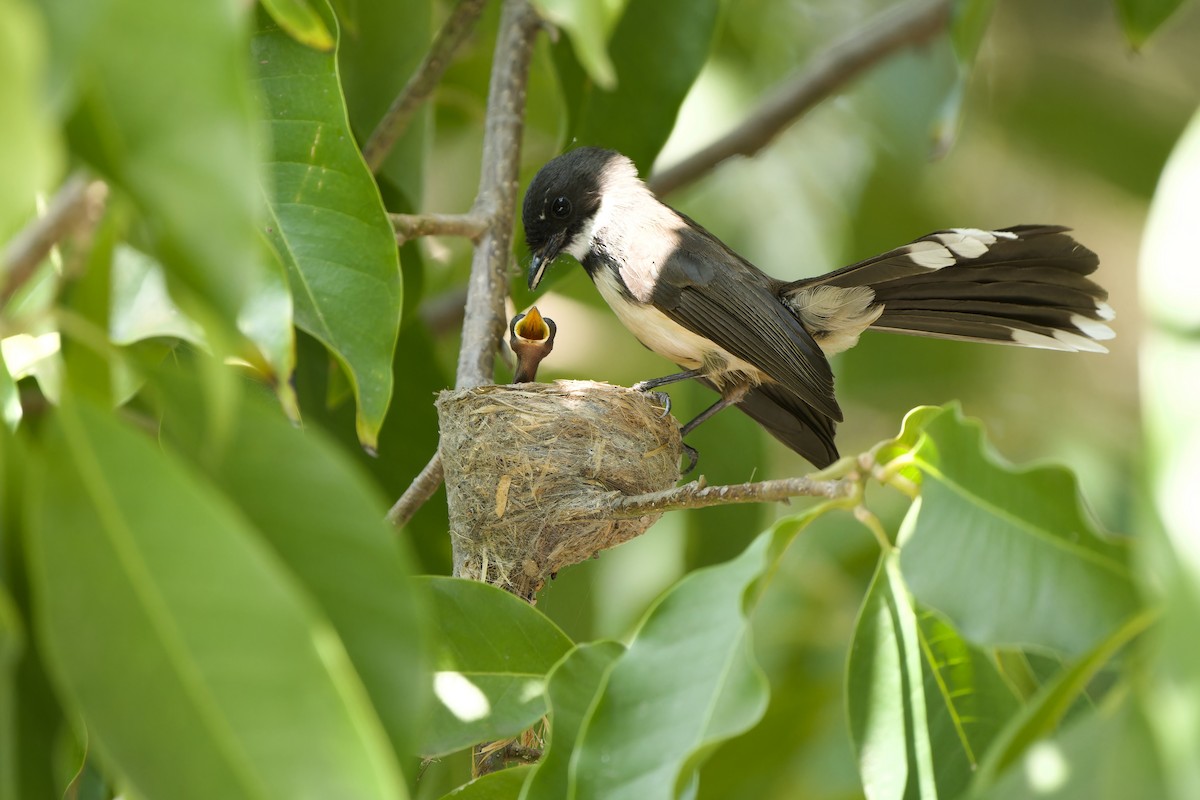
point(531, 468)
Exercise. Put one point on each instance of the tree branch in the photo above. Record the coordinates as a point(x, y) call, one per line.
point(76, 201)
point(484, 319)
point(412, 226)
point(824, 75)
point(452, 35)
point(698, 495)
point(418, 492)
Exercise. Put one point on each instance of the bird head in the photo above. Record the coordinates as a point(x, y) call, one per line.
point(562, 203)
point(531, 337)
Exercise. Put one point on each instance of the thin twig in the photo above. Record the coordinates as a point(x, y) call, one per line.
point(449, 39)
point(411, 226)
point(822, 77)
point(417, 493)
point(77, 201)
point(697, 495)
point(484, 318)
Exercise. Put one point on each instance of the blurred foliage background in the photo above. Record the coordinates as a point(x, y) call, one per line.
point(1058, 120)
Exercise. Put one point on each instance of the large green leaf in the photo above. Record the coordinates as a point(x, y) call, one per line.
point(328, 222)
point(319, 514)
point(380, 45)
point(885, 693)
point(1008, 555)
point(574, 686)
point(687, 682)
point(1106, 755)
point(1043, 713)
point(302, 22)
point(658, 48)
point(967, 702)
point(196, 665)
point(1141, 18)
point(164, 110)
point(29, 147)
point(495, 652)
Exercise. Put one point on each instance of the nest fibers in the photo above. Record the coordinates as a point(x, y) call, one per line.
point(531, 468)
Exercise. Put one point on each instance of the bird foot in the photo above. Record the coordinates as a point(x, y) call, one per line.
point(693, 456)
point(662, 398)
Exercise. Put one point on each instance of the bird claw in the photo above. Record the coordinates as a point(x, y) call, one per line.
point(663, 399)
point(692, 458)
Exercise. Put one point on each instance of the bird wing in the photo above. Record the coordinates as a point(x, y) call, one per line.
point(792, 421)
point(709, 289)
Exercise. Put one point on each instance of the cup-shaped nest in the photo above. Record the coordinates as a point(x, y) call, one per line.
point(531, 470)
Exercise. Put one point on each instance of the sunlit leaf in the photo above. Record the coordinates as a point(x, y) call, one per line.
point(1009, 555)
point(1105, 755)
point(328, 223)
point(1141, 18)
point(168, 118)
point(1043, 713)
point(658, 48)
point(886, 693)
point(196, 665)
point(588, 24)
point(141, 307)
point(494, 655)
point(301, 22)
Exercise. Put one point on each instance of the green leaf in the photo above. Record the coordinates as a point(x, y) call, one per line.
point(503, 785)
point(1009, 555)
point(885, 693)
point(380, 45)
point(574, 686)
point(196, 665)
point(969, 24)
point(1141, 18)
point(168, 117)
point(967, 702)
point(1103, 756)
point(588, 24)
point(301, 22)
point(323, 519)
point(1042, 715)
point(30, 151)
point(141, 306)
point(658, 48)
point(687, 682)
point(328, 222)
point(10, 397)
point(495, 653)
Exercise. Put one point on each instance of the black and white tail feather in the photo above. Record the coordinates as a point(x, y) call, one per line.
point(1025, 286)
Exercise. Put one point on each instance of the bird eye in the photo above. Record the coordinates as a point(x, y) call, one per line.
point(561, 208)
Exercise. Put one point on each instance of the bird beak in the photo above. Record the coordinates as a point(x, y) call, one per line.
point(543, 257)
point(532, 326)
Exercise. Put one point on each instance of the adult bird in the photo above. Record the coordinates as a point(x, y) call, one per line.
point(763, 343)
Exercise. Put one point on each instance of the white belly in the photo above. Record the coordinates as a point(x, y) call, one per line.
point(665, 336)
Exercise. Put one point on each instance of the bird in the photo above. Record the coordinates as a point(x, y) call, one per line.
point(764, 344)
point(531, 337)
